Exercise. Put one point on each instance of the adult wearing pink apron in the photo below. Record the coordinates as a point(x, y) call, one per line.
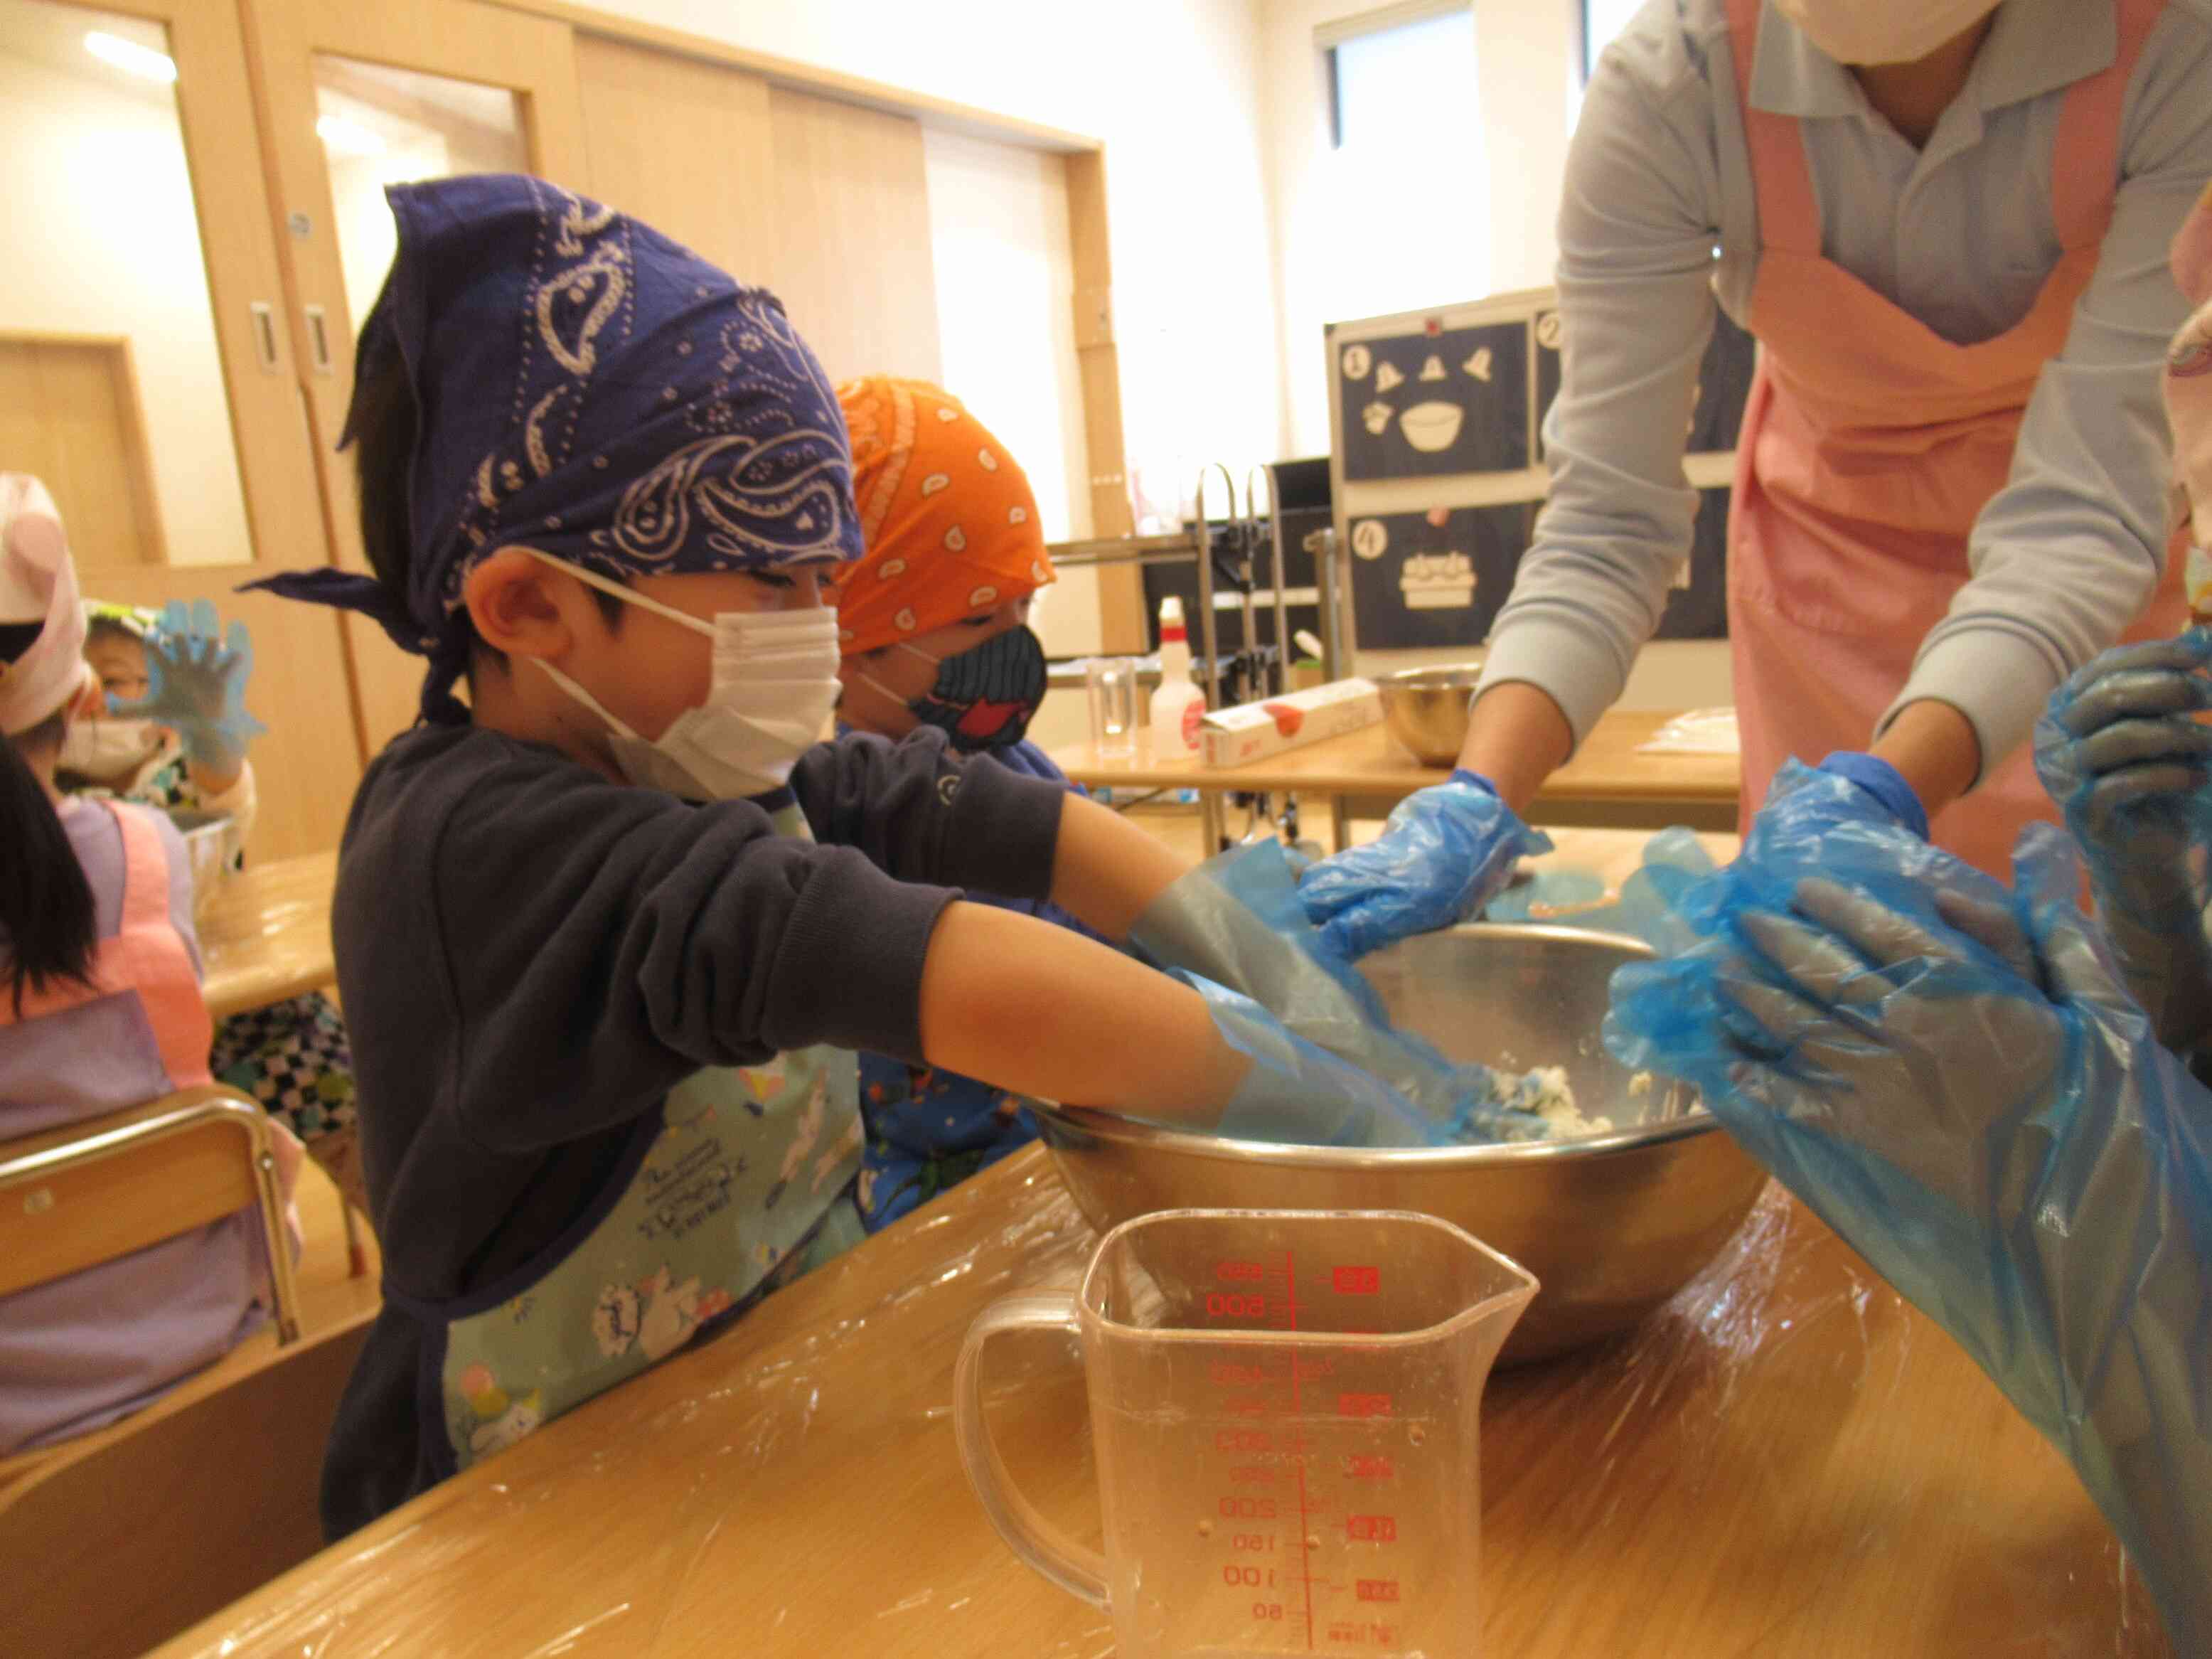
point(1848, 537)
point(1946, 221)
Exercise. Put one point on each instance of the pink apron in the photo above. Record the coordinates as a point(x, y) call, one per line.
point(1848, 537)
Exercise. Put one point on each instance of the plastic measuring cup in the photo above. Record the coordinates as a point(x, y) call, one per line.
point(1287, 1407)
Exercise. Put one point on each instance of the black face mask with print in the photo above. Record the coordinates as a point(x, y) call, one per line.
point(984, 698)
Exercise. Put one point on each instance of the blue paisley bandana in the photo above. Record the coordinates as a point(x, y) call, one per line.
point(586, 387)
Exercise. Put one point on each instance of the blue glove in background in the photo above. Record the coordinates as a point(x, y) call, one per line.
point(196, 685)
point(1884, 783)
point(1954, 1079)
point(1445, 853)
point(2119, 752)
point(1237, 924)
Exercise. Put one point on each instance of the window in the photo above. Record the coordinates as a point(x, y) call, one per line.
point(1601, 21)
point(1408, 178)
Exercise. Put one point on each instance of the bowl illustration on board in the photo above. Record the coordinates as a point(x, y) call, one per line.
point(1431, 426)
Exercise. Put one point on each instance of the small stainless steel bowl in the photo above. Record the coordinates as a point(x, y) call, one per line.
point(1425, 709)
point(212, 843)
point(1613, 1224)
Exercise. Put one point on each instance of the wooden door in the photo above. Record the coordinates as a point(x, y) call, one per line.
point(69, 414)
point(354, 95)
point(144, 300)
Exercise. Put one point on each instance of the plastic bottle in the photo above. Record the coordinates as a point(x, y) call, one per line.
point(1178, 704)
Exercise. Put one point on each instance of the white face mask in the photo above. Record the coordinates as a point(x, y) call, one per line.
point(108, 751)
point(1883, 31)
point(774, 683)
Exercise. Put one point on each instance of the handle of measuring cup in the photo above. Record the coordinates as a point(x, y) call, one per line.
point(1077, 1571)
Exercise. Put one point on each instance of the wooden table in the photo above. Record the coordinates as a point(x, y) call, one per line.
point(1788, 1463)
point(266, 935)
point(1608, 783)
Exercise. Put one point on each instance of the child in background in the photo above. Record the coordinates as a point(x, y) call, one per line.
point(608, 933)
point(934, 628)
point(172, 735)
point(99, 1009)
point(2123, 750)
point(130, 755)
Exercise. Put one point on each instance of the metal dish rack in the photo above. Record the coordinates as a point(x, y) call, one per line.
point(1229, 556)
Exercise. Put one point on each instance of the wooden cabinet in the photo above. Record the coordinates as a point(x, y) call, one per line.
point(135, 120)
point(353, 97)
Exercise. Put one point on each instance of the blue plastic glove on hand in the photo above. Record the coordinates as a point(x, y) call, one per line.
point(1884, 783)
point(1954, 1080)
point(1446, 852)
point(196, 685)
point(1298, 1092)
point(2119, 752)
point(1237, 923)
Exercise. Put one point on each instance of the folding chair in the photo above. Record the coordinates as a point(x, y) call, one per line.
point(90, 1192)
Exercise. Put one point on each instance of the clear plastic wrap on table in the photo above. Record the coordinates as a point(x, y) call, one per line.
point(1784, 1448)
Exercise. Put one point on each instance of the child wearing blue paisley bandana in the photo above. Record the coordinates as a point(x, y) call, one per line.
point(609, 933)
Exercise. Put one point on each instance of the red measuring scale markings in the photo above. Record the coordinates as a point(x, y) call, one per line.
point(1312, 1449)
point(1285, 1411)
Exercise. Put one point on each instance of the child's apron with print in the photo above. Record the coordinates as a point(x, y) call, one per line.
point(1869, 448)
point(741, 1181)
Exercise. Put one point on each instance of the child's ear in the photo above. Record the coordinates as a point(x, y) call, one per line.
point(522, 606)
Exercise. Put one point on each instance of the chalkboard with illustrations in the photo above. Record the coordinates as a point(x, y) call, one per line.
point(1437, 476)
point(1434, 403)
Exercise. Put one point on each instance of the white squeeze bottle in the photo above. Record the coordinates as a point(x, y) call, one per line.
point(1178, 705)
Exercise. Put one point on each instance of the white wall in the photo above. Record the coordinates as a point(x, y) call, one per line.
point(1005, 284)
point(1522, 76)
point(1172, 88)
point(102, 241)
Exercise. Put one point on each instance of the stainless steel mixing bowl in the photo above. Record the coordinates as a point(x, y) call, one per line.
point(1425, 709)
point(1613, 1225)
point(212, 843)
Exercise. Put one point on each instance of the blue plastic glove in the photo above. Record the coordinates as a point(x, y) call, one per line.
point(1955, 1080)
point(1298, 1092)
point(1884, 783)
point(2119, 752)
point(1236, 924)
point(196, 685)
point(1446, 852)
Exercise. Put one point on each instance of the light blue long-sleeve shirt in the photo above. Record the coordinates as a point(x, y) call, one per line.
point(1959, 235)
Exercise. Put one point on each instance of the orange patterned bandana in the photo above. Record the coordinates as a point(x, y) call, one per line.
point(951, 526)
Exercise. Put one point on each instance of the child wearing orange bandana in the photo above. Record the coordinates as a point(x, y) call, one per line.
point(933, 630)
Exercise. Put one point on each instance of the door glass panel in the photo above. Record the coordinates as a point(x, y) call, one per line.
point(386, 126)
point(112, 386)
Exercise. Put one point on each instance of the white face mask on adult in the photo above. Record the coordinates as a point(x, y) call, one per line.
point(1883, 31)
point(774, 684)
